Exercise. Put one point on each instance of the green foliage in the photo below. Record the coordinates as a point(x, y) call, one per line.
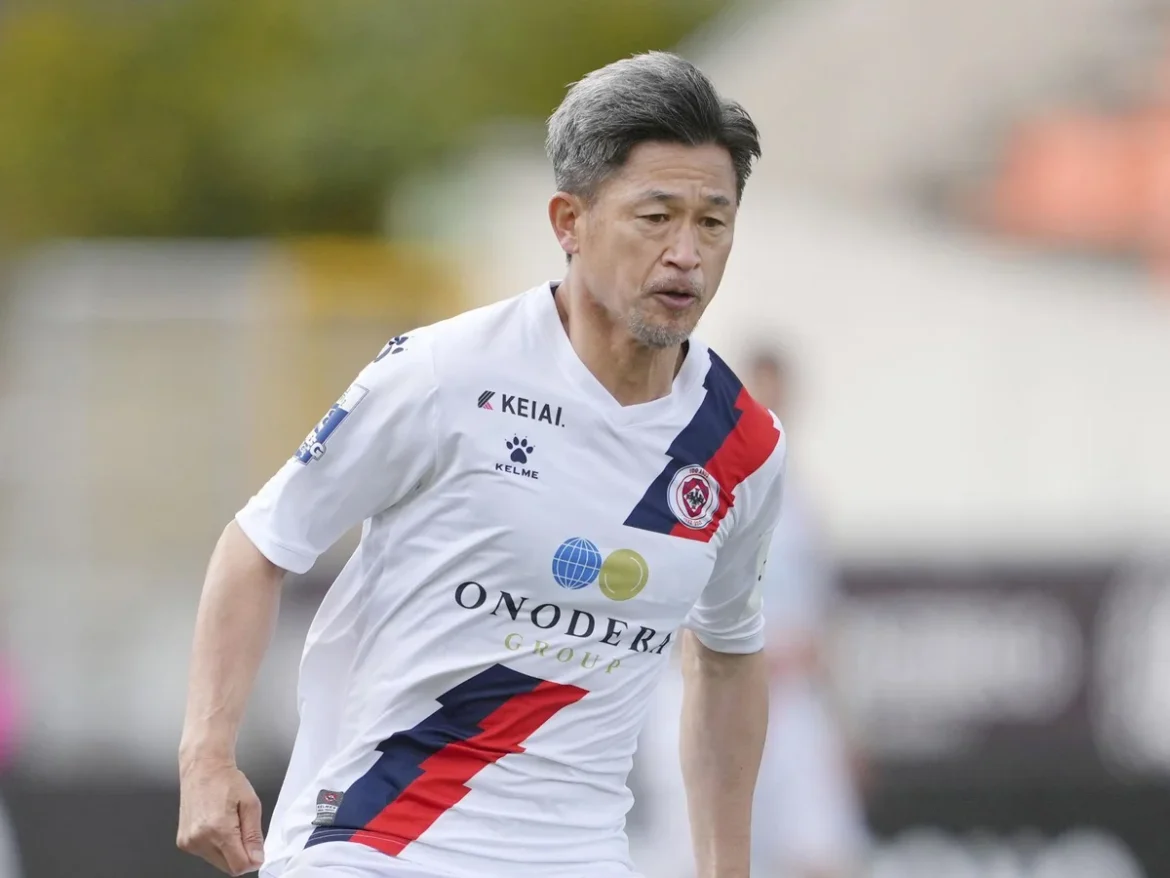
point(244, 117)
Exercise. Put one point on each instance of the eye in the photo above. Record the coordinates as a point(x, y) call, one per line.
point(655, 218)
point(711, 222)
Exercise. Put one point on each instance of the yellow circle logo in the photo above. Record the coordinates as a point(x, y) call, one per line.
point(623, 574)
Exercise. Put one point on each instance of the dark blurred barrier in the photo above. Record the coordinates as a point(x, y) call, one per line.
point(945, 830)
point(1016, 721)
point(1015, 717)
point(926, 831)
point(989, 676)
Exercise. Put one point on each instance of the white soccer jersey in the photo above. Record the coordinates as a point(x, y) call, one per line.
point(473, 685)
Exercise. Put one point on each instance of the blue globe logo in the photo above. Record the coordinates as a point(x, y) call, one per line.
point(576, 563)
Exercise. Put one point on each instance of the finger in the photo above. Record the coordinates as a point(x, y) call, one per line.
point(200, 843)
point(231, 847)
point(251, 832)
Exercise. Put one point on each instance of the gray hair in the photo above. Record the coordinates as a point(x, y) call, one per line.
point(657, 97)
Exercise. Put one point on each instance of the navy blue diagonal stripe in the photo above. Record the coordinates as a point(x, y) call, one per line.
point(464, 707)
point(694, 445)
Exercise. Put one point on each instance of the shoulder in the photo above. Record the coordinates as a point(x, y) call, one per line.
point(755, 446)
point(428, 353)
point(458, 345)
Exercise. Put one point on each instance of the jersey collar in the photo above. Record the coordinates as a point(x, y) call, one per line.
point(690, 375)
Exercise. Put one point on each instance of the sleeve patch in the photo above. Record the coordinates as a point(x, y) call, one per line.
point(313, 448)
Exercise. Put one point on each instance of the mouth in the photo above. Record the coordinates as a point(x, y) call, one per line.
point(676, 300)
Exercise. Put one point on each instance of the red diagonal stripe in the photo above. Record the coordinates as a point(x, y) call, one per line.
point(445, 774)
point(742, 453)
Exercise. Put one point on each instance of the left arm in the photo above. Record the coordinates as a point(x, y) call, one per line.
point(725, 684)
point(724, 719)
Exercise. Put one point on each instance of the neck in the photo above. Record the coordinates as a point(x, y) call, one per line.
point(632, 372)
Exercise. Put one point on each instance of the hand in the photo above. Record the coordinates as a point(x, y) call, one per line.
point(219, 817)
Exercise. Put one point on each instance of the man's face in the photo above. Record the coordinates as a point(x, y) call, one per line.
point(653, 244)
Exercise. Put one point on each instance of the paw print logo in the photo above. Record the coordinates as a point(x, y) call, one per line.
point(396, 345)
point(520, 449)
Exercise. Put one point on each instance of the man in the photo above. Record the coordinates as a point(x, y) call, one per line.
point(551, 489)
point(808, 821)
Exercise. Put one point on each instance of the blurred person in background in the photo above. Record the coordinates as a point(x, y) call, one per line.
point(540, 526)
point(9, 859)
point(807, 820)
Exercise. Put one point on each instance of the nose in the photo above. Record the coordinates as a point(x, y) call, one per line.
point(683, 253)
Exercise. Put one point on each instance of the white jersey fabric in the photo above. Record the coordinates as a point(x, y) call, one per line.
point(473, 685)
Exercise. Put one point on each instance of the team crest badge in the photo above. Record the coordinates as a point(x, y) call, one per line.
point(693, 497)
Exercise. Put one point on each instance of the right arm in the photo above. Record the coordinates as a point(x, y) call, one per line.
point(370, 451)
point(219, 812)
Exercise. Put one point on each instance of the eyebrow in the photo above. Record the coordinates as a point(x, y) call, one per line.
point(664, 196)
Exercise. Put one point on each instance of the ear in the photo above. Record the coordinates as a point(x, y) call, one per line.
point(565, 213)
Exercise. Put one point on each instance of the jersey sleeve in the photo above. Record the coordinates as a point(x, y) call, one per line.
point(728, 617)
point(372, 448)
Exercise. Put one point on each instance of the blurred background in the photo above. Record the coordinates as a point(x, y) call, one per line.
point(213, 213)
